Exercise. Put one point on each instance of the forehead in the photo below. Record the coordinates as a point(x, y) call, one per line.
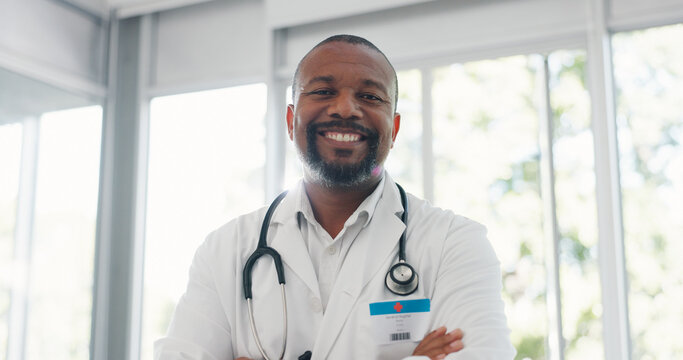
point(340, 59)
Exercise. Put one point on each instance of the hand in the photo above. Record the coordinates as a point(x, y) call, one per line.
point(437, 344)
point(242, 358)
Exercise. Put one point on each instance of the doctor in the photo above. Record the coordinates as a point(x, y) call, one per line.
point(338, 235)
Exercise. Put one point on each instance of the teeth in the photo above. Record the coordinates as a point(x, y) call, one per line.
point(342, 137)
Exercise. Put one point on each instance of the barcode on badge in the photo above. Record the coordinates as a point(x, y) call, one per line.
point(400, 336)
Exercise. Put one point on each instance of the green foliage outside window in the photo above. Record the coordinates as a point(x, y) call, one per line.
point(648, 67)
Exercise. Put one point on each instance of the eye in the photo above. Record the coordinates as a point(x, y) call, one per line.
point(321, 92)
point(371, 97)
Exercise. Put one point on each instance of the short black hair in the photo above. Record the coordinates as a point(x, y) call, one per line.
point(349, 39)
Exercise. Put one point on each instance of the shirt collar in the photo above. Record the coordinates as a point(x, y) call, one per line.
point(364, 211)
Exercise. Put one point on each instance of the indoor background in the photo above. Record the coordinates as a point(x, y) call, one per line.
point(129, 129)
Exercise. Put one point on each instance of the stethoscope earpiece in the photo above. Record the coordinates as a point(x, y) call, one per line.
point(402, 279)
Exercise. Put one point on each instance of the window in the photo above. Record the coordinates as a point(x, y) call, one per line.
point(486, 152)
point(48, 206)
point(206, 166)
point(62, 251)
point(488, 166)
point(648, 71)
point(574, 170)
point(10, 158)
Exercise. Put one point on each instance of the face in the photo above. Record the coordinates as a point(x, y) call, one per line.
point(342, 120)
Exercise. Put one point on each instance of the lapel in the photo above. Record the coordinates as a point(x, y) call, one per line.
point(375, 243)
point(286, 239)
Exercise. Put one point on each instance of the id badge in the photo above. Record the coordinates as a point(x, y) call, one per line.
point(400, 320)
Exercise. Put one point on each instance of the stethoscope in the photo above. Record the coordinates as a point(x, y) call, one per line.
point(401, 279)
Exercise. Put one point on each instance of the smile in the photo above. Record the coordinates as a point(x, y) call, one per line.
point(342, 136)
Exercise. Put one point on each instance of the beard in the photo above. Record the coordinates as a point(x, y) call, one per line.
point(335, 175)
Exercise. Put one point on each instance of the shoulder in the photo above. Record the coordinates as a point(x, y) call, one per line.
point(422, 211)
point(237, 235)
point(241, 234)
point(458, 235)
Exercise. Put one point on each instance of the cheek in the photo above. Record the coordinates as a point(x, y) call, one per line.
point(300, 136)
point(386, 135)
point(385, 143)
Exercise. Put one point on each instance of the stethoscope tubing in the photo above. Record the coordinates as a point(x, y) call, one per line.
point(404, 219)
point(252, 323)
point(264, 249)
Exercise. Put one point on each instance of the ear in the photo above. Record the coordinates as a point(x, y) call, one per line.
point(290, 121)
point(394, 130)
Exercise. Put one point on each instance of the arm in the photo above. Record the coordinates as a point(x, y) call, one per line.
point(199, 329)
point(467, 294)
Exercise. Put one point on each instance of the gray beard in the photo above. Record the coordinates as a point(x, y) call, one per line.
point(333, 175)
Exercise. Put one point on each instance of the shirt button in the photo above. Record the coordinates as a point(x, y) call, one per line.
point(331, 250)
point(316, 305)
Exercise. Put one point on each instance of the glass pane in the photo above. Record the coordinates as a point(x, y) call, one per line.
point(576, 205)
point(487, 168)
point(62, 262)
point(405, 159)
point(648, 70)
point(206, 166)
point(10, 157)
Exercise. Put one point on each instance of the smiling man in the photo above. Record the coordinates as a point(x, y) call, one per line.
point(368, 271)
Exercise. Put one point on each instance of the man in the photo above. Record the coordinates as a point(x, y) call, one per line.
point(338, 234)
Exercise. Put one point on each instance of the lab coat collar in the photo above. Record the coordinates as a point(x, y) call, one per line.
point(287, 240)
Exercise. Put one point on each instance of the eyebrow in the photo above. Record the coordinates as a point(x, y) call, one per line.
point(372, 83)
point(322, 78)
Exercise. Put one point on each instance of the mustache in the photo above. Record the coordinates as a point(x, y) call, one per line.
point(341, 124)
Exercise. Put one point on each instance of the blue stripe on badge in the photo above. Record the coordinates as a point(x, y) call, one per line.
point(399, 307)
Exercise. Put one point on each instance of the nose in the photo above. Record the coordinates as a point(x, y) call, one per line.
point(345, 106)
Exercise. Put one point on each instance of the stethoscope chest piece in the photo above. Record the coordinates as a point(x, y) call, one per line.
point(402, 279)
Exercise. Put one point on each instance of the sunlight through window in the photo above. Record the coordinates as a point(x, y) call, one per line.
point(648, 70)
point(206, 166)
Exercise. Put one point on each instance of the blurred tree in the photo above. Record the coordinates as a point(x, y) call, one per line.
point(648, 71)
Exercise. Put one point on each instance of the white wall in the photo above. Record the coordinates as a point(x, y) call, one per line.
point(210, 45)
point(22, 97)
point(224, 42)
point(631, 14)
point(281, 14)
point(51, 58)
point(49, 37)
point(443, 31)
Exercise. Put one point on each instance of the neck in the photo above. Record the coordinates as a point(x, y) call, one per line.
point(333, 206)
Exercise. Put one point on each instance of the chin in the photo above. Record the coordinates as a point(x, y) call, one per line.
point(341, 176)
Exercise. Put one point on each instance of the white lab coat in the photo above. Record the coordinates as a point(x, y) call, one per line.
point(458, 271)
